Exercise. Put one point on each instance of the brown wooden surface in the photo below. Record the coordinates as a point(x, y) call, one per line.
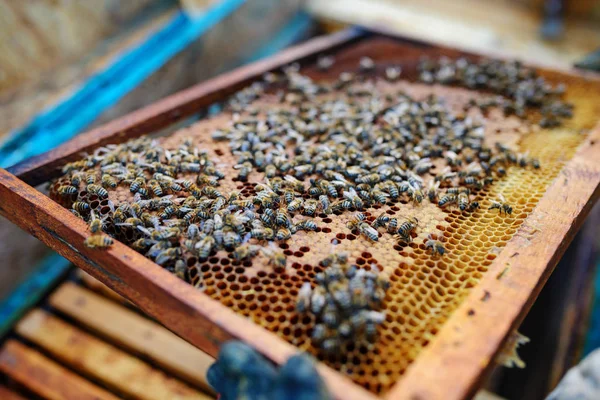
point(44, 377)
point(41, 168)
point(95, 358)
point(468, 342)
point(132, 331)
point(7, 394)
point(451, 366)
point(99, 287)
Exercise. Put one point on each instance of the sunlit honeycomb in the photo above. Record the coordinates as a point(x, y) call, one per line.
point(424, 290)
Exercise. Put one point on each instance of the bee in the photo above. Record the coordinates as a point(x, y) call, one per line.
point(310, 207)
point(137, 184)
point(180, 269)
point(108, 181)
point(66, 190)
point(535, 163)
point(276, 258)
point(303, 301)
point(423, 166)
point(447, 200)
point(331, 345)
point(463, 201)
point(155, 188)
point(294, 205)
point(452, 159)
point(355, 221)
point(306, 225)
point(379, 196)
point(294, 183)
point(245, 251)
point(193, 231)
point(324, 63)
point(282, 218)
point(432, 190)
point(204, 179)
point(501, 205)
point(318, 300)
point(319, 334)
point(474, 205)
point(142, 244)
point(168, 255)
point(406, 228)
point(416, 195)
point(393, 226)
point(270, 171)
point(436, 247)
point(90, 179)
point(205, 246)
point(283, 234)
point(231, 239)
point(352, 196)
point(76, 213)
point(97, 190)
point(98, 242)
point(330, 316)
point(168, 212)
point(96, 224)
point(368, 231)
point(445, 175)
point(366, 64)
point(382, 220)
point(81, 207)
point(392, 73)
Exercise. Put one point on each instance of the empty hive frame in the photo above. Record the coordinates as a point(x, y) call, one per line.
point(447, 318)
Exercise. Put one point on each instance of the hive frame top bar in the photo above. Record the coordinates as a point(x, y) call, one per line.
point(450, 367)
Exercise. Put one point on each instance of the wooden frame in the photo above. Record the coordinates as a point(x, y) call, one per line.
point(452, 365)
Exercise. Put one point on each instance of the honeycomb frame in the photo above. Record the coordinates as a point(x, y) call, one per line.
point(457, 236)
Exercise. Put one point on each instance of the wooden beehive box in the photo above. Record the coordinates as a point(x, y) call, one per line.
point(446, 319)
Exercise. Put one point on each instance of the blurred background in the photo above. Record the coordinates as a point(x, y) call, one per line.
point(69, 66)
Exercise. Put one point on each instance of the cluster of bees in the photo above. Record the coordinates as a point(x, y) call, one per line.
point(520, 87)
point(346, 303)
point(318, 154)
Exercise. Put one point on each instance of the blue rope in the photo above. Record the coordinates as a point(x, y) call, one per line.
point(65, 120)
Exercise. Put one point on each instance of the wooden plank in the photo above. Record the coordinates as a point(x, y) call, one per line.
point(7, 394)
point(190, 313)
point(170, 109)
point(44, 377)
point(91, 356)
point(97, 286)
point(133, 331)
point(466, 345)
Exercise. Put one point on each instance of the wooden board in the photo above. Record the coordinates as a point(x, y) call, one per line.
point(44, 377)
point(7, 394)
point(132, 331)
point(92, 357)
point(453, 363)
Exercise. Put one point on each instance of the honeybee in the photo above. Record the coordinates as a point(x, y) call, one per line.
point(97, 190)
point(352, 196)
point(276, 258)
point(155, 188)
point(205, 246)
point(366, 64)
point(282, 218)
point(90, 178)
point(463, 201)
point(98, 242)
point(303, 301)
point(245, 251)
point(66, 190)
point(392, 73)
point(80, 206)
point(355, 221)
point(283, 234)
point(137, 184)
point(108, 181)
point(168, 255)
point(432, 190)
point(317, 300)
point(393, 226)
point(447, 200)
point(294, 183)
point(306, 225)
point(180, 269)
point(368, 231)
point(406, 228)
point(96, 224)
point(436, 247)
point(381, 220)
point(310, 207)
point(501, 205)
point(324, 63)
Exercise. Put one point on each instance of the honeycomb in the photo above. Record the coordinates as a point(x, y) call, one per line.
point(424, 290)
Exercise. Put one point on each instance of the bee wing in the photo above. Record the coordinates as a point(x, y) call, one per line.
point(141, 229)
point(501, 197)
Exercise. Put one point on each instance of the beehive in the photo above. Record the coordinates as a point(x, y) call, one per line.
point(425, 290)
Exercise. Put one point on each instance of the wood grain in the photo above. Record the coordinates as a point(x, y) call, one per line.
point(44, 377)
point(133, 331)
point(95, 358)
point(468, 342)
point(41, 168)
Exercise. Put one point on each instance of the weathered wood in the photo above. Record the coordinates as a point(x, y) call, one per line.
point(97, 286)
point(188, 312)
point(171, 109)
point(44, 377)
point(468, 342)
point(133, 331)
point(93, 357)
point(7, 394)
